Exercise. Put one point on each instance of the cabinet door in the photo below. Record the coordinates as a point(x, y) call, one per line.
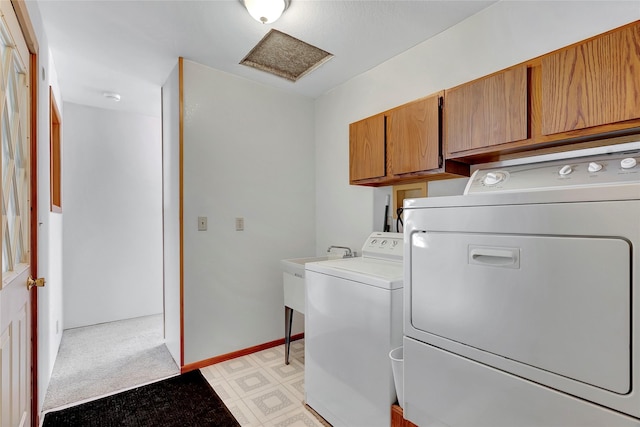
point(413, 132)
point(486, 112)
point(592, 83)
point(367, 157)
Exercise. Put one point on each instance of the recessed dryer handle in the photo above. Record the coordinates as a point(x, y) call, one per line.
point(494, 256)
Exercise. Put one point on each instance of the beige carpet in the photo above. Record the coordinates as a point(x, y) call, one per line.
point(97, 360)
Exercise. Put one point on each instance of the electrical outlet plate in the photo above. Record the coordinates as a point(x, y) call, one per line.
point(202, 223)
point(239, 224)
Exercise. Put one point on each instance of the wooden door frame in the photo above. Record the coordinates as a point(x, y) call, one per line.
point(29, 35)
point(35, 410)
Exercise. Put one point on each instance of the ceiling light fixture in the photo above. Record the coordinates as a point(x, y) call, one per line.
point(266, 11)
point(112, 95)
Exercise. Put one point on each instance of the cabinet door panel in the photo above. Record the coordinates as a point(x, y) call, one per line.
point(593, 83)
point(487, 112)
point(414, 133)
point(367, 147)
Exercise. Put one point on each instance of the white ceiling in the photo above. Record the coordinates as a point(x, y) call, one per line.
point(131, 46)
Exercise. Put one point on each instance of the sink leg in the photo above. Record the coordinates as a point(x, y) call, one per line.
point(288, 319)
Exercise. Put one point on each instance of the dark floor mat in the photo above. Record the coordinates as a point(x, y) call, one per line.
point(184, 400)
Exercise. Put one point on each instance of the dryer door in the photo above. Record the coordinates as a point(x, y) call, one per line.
point(557, 303)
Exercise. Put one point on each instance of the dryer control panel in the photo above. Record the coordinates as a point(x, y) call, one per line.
point(598, 170)
point(384, 245)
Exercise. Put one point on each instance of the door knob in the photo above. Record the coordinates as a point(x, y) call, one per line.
point(31, 282)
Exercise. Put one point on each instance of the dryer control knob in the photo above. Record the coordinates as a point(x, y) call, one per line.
point(565, 170)
point(628, 163)
point(594, 167)
point(493, 178)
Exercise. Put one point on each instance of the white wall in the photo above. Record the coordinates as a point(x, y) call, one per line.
point(248, 152)
point(171, 213)
point(507, 33)
point(50, 316)
point(112, 204)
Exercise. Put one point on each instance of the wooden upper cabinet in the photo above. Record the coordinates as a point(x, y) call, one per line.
point(413, 132)
point(489, 111)
point(583, 95)
point(401, 145)
point(367, 149)
point(592, 83)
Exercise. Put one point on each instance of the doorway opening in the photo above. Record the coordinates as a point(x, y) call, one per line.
point(111, 245)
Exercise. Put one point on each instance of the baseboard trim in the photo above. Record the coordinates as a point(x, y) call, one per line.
point(234, 354)
point(397, 418)
point(317, 415)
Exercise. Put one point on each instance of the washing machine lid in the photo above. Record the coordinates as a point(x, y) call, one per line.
point(375, 272)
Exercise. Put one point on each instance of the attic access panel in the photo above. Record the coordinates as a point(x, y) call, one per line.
point(285, 56)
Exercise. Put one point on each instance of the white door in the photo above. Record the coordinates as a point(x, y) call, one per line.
point(15, 332)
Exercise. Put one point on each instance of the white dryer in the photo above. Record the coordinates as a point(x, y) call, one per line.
point(522, 302)
point(353, 320)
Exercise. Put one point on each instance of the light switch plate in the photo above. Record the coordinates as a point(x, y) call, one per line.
point(202, 223)
point(239, 224)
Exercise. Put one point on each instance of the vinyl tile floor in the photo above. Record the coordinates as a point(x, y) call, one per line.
point(260, 390)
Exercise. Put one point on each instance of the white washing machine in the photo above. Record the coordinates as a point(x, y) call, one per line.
point(353, 320)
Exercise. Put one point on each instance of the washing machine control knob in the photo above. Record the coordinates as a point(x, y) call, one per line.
point(628, 163)
point(493, 178)
point(594, 167)
point(565, 170)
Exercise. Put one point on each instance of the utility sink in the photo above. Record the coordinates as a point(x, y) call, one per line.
point(295, 266)
point(294, 291)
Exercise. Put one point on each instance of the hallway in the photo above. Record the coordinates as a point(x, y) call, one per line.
point(101, 359)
